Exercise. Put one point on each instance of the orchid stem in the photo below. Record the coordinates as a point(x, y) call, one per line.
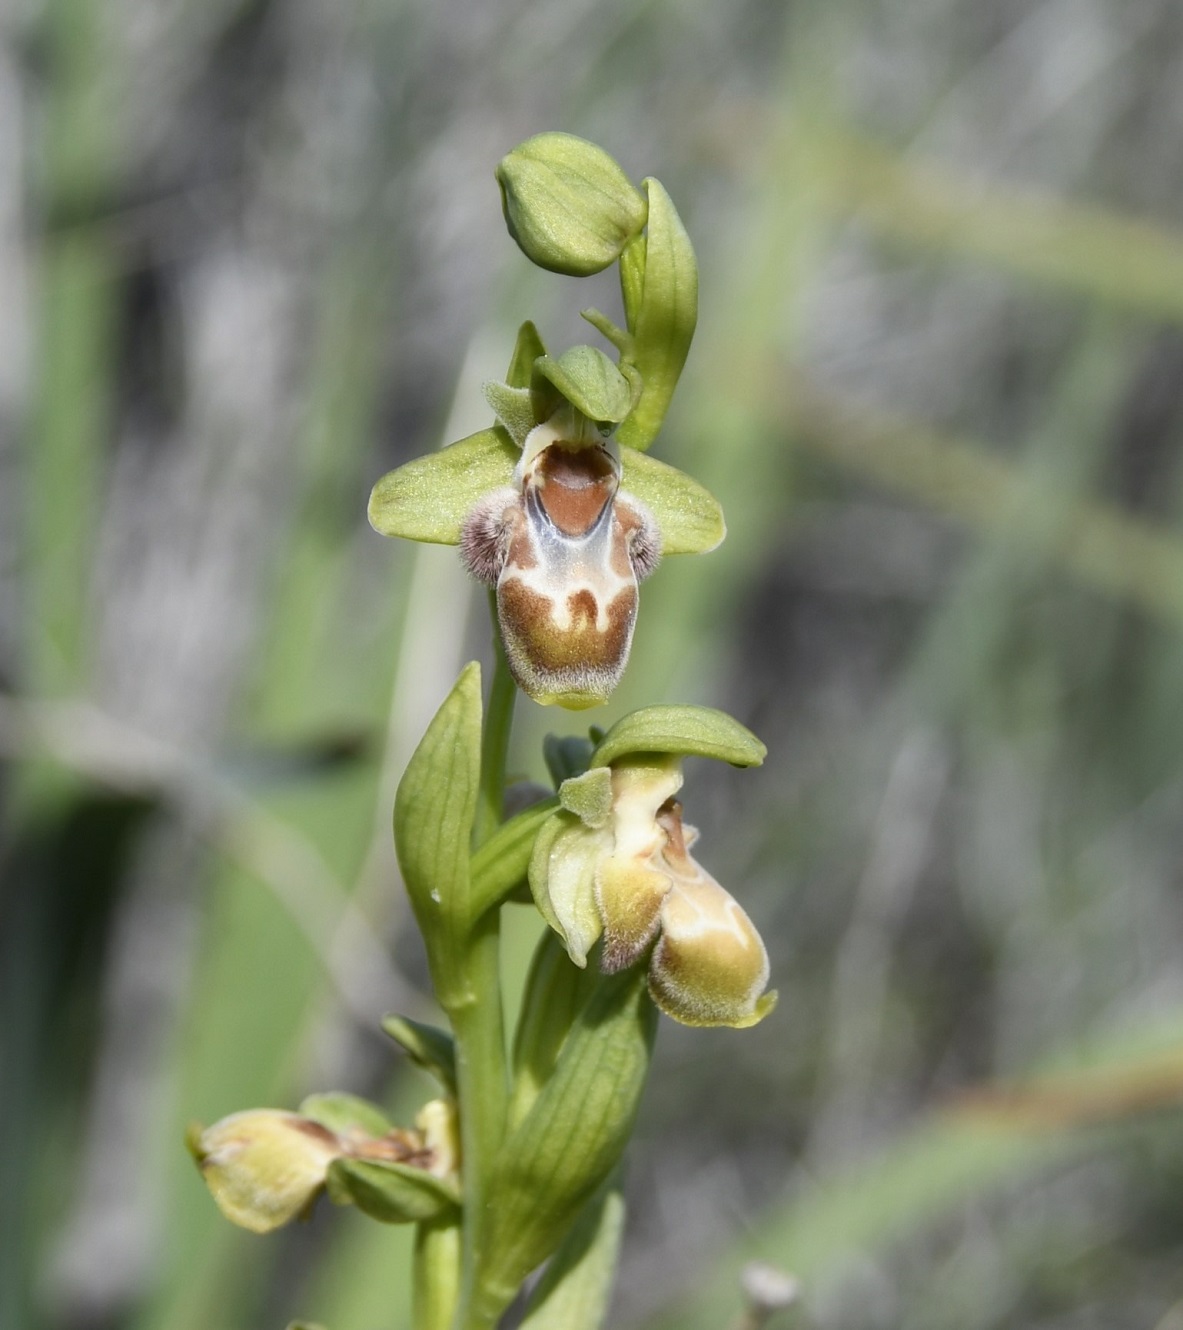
point(478, 1025)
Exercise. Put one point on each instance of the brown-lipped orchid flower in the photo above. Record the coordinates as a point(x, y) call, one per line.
point(265, 1167)
point(556, 515)
point(615, 862)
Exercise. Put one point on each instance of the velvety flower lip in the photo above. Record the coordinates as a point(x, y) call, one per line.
point(562, 520)
point(615, 863)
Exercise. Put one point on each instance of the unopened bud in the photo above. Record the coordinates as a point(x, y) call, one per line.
point(568, 204)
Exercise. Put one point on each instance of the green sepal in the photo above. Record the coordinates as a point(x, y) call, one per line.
point(663, 319)
point(433, 817)
point(574, 1134)
point(392, 1193)
point(566, 756)
point(342, 1113)
point(684, 731)
point(567, 203)
point(688, 515)
point(575, 1288)
point(585, 377)
point(429, 498)
point(589, 796)
point(499, 867)
point(526, 350)
point(431, 1049)
point(562, 879)
point(513, 407)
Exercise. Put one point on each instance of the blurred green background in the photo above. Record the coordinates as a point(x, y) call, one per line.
point(251, 256)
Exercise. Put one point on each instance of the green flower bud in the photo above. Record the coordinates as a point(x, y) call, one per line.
point(264, 1166)
point(568, 204)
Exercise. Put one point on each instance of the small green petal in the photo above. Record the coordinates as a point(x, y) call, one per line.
point(585, 377)
point(513, 407)
point(688, 515)
point(692, 731)
point(429, 498)
point(589, 797)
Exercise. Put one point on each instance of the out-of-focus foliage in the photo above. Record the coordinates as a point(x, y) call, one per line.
point(247, 252)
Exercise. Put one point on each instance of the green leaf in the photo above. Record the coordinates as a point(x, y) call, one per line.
point(526, 351)
point(665, 317)
point(568, 204)
point(688, 515)
point(341, 1112)
point(499, 867)
point(433, 816)
point(390, 1192)
point(555, 991)
point(429, 498)
point(429, 1048)
point(576, 1286)
point(573, 1136)
point(692, 731)
point(585, 377)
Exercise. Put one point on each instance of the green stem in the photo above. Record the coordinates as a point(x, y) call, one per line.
point(436, 1274)
point(495, 741)
point(478, 1023)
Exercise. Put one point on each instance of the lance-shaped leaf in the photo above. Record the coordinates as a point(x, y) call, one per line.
point(555, 991)
point(429, 498)
point(662, 321)
point(681, 730)
point(431, 1049)
point(574, 1290)
point(573, 1136)
point(688, 516)
point(433, 817)
point(390, 1192)
point(499, 867)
